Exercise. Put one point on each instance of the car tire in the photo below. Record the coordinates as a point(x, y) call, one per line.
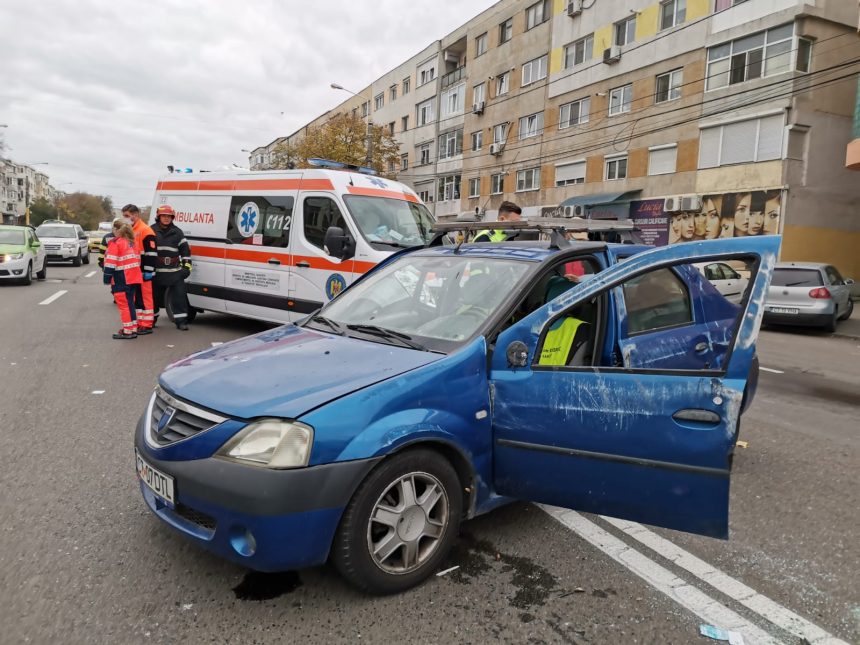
point(87, 258)
point(830, 325)
point(28, 276)
point(41, 275)
point(76, 261)
point(849, 310)
point(410, 507)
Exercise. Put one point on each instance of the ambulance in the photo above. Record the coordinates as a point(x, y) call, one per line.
point(277, 245)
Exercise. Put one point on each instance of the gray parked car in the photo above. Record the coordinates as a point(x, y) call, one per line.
point(808, 293)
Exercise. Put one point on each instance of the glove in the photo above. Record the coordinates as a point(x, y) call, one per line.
point(186, 270)
point(147, 276)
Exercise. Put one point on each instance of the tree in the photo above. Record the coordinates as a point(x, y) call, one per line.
point(84, 209)
point(343, 138)
point(40, 210)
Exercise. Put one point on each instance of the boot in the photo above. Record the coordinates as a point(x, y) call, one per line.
point(121, 336)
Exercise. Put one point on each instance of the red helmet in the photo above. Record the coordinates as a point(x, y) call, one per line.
point(165, 210)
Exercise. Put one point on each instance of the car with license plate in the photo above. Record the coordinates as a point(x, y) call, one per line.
point(22, 255)
point(449, 380)
point(94, 240)
point(810, 294)
point(63, 241)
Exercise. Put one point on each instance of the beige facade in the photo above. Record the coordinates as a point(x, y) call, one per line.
point(20, 186)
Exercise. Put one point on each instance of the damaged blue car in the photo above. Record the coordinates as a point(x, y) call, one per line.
point(600, 377)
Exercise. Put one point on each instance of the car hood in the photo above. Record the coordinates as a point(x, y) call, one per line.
point(57, 240)
point(12, 248)
point(285, 372)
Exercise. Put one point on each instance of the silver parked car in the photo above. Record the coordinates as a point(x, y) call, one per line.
point(725, 278)
point(808, 293)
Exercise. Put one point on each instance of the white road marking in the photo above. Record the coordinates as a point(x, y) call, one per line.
point(734, 589)
point(51, 299)
point(768, 369)
point(711, 611)
point(98, 391)
point(90, 274)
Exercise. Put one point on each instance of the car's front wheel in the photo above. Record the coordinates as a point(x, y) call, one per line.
point(41, 275)
point(87, 257)
point(76, 261)
point(400, 524)
point(28, 275)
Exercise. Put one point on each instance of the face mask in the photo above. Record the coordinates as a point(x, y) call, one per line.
point(127, 221)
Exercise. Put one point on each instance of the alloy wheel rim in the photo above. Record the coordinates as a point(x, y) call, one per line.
point(407, 523)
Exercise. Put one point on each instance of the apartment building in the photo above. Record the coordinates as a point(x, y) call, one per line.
point(20, 186)
point(738, 111)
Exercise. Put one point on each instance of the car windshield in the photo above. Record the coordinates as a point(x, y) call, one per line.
point(12, 237)
point(435, 301)
point(56, 231)
point(796, 278)
point(390, 222)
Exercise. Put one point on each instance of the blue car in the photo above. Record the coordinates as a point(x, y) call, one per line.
point(449, 380)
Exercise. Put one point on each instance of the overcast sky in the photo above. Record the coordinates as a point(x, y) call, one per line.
point(109, 93)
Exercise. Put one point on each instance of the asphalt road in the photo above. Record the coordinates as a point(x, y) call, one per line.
point(83, 561)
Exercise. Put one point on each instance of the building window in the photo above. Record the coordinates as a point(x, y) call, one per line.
point(424, 196)
point(424, 154)
point(426, 72)
point(406, 83)
point(620, 99)
point(537, 14)
point(404, 161)
point(500, 133)
point(616, 167)
point(479, 94)
point(741, 142)
point(804, 54)
point(477, 140)
point(721, 5)
point(365, 108)
point(391, 166)
point(451, 144)
point(762, 54)
point(497, 183)
point(534, 70)
point(391, 128)
point(475, 187)
point(531, 126)
point(574, 113)
point(625, 31)
point(425, 112)
point(503, 83)
point(662, 159)
point(669, 86)
point(392, 93)
point(672, 12)
point(528, 179)
point(354, 113)
point(452, 100)
point(448, 188)
point(506, 30)
point(481, 44)
point(404, 123)
point(579, 51)
point(570, 173)
point(378, 101)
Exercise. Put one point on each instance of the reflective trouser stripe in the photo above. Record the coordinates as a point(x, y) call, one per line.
point(125, 303)
point(145, 306)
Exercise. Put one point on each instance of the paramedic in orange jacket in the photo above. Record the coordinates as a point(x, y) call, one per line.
point(144, 244)
point(122, 273)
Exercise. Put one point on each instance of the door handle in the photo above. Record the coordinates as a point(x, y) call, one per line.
point(304, 264)
point(274, 261)
point(697, 416)
point(701, 347)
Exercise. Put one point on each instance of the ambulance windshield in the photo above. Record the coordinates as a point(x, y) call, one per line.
point(386, 222)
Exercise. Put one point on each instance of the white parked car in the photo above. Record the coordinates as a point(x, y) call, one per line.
point(21, 255)
point(728, 282)
point(65, 242)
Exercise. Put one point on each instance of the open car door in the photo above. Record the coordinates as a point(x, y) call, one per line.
point(620, 438)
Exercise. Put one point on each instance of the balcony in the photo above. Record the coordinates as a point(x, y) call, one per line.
point(452, 77)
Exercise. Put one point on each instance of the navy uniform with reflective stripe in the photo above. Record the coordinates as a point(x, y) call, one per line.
point(171, 268)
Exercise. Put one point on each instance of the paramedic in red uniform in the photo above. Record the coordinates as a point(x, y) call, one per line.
point(122, 273)
point(173, 265)
point(144, 244)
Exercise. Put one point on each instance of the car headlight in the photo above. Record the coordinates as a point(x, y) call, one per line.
point(69, 245)
point(14, 256)
point(271, 443)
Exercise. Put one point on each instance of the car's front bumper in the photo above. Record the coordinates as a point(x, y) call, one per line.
point(14, 269)
point(61, 253)
point(266, 520)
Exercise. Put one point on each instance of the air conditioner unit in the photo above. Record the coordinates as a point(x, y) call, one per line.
point(478, 108)
point(574, 8)
point(691, 203)
point(568, 211)
point(672, 204)
point(496, 148)
point(612, 54)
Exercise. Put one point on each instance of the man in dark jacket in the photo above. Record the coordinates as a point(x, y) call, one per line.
point(173, 265)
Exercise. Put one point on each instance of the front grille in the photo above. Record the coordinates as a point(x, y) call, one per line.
point(52, 247)
point(186, 420)
point(195, 517)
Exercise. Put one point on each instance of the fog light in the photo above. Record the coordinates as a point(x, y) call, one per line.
point(17, 271)
point(243, 541)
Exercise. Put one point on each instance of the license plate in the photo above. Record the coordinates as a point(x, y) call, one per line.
point(783, 310)
point(155, 480)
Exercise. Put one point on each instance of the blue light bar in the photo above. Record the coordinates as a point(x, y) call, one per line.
point(339, 165)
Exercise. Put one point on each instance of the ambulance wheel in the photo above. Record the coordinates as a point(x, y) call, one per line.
point(400, 524)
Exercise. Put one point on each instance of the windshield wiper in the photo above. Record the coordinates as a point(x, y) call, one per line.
point(373, 330)
point(336, 328)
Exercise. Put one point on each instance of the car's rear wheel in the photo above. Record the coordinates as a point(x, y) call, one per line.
point(848, 310)
point(830, 325)
point(41, 275)
point(400, 524)
point(28, 275)
point(76, 261)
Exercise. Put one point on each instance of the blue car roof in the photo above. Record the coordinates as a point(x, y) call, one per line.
point(534, 251)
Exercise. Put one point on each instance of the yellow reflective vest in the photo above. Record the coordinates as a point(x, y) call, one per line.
point(492, 236)
point(558, 341)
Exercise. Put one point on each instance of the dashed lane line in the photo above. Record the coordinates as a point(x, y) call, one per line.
point(90, 274)
point(708, 609)
point(734, 589)
point(769, 369)
point(51, 299)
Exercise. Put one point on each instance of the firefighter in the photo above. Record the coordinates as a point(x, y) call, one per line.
point(122, 272)
point(173, 265)
point(144, 245)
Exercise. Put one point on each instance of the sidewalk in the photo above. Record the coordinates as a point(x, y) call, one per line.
point(849, 328)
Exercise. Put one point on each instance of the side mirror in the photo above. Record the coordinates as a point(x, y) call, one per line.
point(849, 281)
point(517, 354)
point(35, 244)
point(338, 243)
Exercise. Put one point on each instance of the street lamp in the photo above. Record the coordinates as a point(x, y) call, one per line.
point(368, 160)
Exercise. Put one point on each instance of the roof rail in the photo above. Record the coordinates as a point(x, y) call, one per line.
point(339, 165)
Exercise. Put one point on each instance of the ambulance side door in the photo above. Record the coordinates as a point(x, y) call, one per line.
point(316, 277)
